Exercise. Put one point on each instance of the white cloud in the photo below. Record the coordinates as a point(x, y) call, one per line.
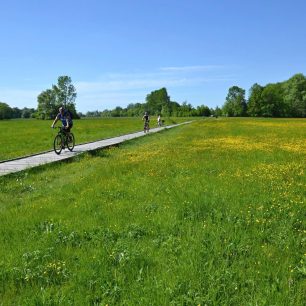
point(198, 68)
point(121, 85)
point(115, 89)
point(167, 76)
point(124, 88)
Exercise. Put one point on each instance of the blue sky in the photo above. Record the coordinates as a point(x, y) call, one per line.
point(118, 51)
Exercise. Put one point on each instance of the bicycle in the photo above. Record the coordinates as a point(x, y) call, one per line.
point(146, 127)
point(63, 139)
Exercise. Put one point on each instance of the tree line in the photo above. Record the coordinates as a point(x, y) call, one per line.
point(157, 102)
point(7, 112)
point(282, 99)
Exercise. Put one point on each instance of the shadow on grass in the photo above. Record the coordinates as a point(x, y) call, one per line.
point(102, 152)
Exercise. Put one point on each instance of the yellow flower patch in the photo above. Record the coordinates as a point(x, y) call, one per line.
point(230, 143)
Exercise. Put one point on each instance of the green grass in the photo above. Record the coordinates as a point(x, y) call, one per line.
point(24, 137)
point(210, 213)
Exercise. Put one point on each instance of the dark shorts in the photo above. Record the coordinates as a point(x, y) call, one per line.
point(68, 130)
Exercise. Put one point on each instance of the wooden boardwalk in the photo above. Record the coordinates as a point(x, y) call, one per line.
point(24, 163)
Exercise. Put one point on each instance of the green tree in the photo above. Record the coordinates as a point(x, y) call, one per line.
point(27, 112)
point(136, 109)
point(235, 104)
point(93, 114)
point(117, 112)
point(5, 111)
point(62, 94)
point(203, 110)
point(47, 106)
point(273, 101)
point(66, 94)
point(156, 100)
point(185, 109)
point(174, 108)
point(255, 102)
point(217, 111)
point(295, 96)
point(106, 113)
point(16, 112)
point(165, 111)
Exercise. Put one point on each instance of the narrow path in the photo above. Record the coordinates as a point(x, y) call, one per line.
point(24, 163)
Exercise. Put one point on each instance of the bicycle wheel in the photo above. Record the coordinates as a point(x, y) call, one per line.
point(145, 128)
point(57, 144)
point(70, 141)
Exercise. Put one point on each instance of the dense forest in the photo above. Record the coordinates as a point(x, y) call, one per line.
point(283, 99)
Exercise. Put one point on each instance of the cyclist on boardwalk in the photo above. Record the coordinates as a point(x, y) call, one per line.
point(159, 122)
point(146, 120)
point(65, 116)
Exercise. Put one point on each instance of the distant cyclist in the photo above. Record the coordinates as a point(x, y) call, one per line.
point(146, 120)
point(159, 122)
point(65, 116)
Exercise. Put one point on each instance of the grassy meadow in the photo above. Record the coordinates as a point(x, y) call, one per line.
point(25, 137)
point(209, 213)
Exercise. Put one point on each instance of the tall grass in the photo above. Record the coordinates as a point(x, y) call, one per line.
point(211, 213)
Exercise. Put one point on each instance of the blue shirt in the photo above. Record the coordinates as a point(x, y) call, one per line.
point(63, 117)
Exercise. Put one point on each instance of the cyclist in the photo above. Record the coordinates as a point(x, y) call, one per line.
point(65, 116)
point(146, 120)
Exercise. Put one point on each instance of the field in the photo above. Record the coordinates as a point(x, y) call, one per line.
point(24, 137)
point(209, 213)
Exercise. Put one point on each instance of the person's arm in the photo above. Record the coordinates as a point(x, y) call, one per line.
point(55, 120)
point(67, 120)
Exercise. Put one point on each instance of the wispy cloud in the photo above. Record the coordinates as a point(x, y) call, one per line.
point(132, 84)
point(163, 77)
point(191, 68)
point(124, 88)
point(112, 89)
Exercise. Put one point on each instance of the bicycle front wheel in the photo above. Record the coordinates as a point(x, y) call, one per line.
point(70, 141)
point(58, 144)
